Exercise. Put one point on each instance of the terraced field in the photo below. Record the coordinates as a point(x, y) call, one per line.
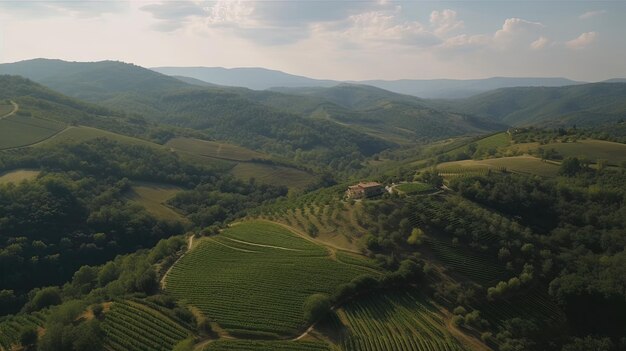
point(519, 164)
point(18, 130)
point(395, 321)
point(11, 327)
point(248, 345)
point(254, 277)
point(18, 175)
point(153, 196)
point(131, 326)
point(214, 149)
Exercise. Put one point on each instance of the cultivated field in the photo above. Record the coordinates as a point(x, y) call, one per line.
point(131, 326)
point(153, 197)
point(82, 133)
point(492, 142)
point(214, 149)
point(270, 174)
point(5, 108)
point(18, 131)
point(518, 164)
point(590, 149)
point(414, 188)
point(11, 328)
point(254, 277)
point(249, 345)
point(18, 175)
point(395, 321)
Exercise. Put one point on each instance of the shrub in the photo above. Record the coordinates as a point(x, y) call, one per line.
point(316, 307)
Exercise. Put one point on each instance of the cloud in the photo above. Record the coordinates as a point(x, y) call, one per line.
point(445, 21)
point(540, 43)
point(591, 14)
point(52, 8)
point(582, 41)
point(386, 27)
point(173, 15)
point(515, 31)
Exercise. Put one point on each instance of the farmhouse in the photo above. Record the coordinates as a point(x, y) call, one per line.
point(364, 190)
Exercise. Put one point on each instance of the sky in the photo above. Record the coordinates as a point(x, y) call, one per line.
point(340, 39)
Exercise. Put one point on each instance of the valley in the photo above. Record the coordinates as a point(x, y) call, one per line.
point(140, 211)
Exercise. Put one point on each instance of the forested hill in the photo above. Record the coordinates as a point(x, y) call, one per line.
point(582, 105)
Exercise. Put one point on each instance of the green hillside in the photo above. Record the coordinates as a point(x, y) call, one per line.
point(581, 105)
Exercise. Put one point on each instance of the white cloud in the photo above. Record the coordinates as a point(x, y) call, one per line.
point(582, 41)
point(515, 31)
point(591, 14)
point(540, 43)
point(445, 21)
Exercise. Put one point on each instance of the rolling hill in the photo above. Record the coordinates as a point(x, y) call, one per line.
point(261, 79)
point(582, 105)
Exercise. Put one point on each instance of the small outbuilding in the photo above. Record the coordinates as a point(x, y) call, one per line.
point(364, 190)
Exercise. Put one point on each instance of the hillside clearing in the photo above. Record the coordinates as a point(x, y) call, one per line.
point(19, 131)
point(271, 174)
point(82, 133)
point(153, 197)
point(222, 150)
point(590, 149)
point(18, 175)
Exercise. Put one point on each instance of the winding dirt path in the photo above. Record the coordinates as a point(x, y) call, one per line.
point(189, 245)
point(16, 108)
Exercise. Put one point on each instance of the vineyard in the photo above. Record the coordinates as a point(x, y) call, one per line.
point(253, 279)
point(12, 326)
point(130, 325)
point(248, 345)
point(19, 130)
point(321, 214)
point(395, 321)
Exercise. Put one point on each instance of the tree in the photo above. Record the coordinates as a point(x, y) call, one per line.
point(316, 307)
point(416, 238)
point(570, 166)
point(43, 298)
point(432, 177)
point(28, 337)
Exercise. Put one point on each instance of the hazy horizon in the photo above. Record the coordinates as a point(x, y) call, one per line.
point(339, 40)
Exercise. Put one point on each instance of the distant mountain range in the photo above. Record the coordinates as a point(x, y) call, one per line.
point(261, 79)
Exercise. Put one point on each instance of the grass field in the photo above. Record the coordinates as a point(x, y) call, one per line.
point(395, 321)
point(130, 326)
point(249, 345)
point(254, 277)
point(492, 142)
point(81, 133)
point(18, 175)
point(18, 131)
point(518, 164)
point(153, 196)
point(590, 149)
point(270, 174)
point(414, 188)
point(5, 109)
point(214, 149)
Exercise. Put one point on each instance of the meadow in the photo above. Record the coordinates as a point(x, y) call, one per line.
point(18, 175)
point(495, 142)
point(590, 149)
point(395, 321)
point(82, 133)
point(214, 149)
point(153, 196)
point(18, 131)
point(254, 278)
point(271, 174)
